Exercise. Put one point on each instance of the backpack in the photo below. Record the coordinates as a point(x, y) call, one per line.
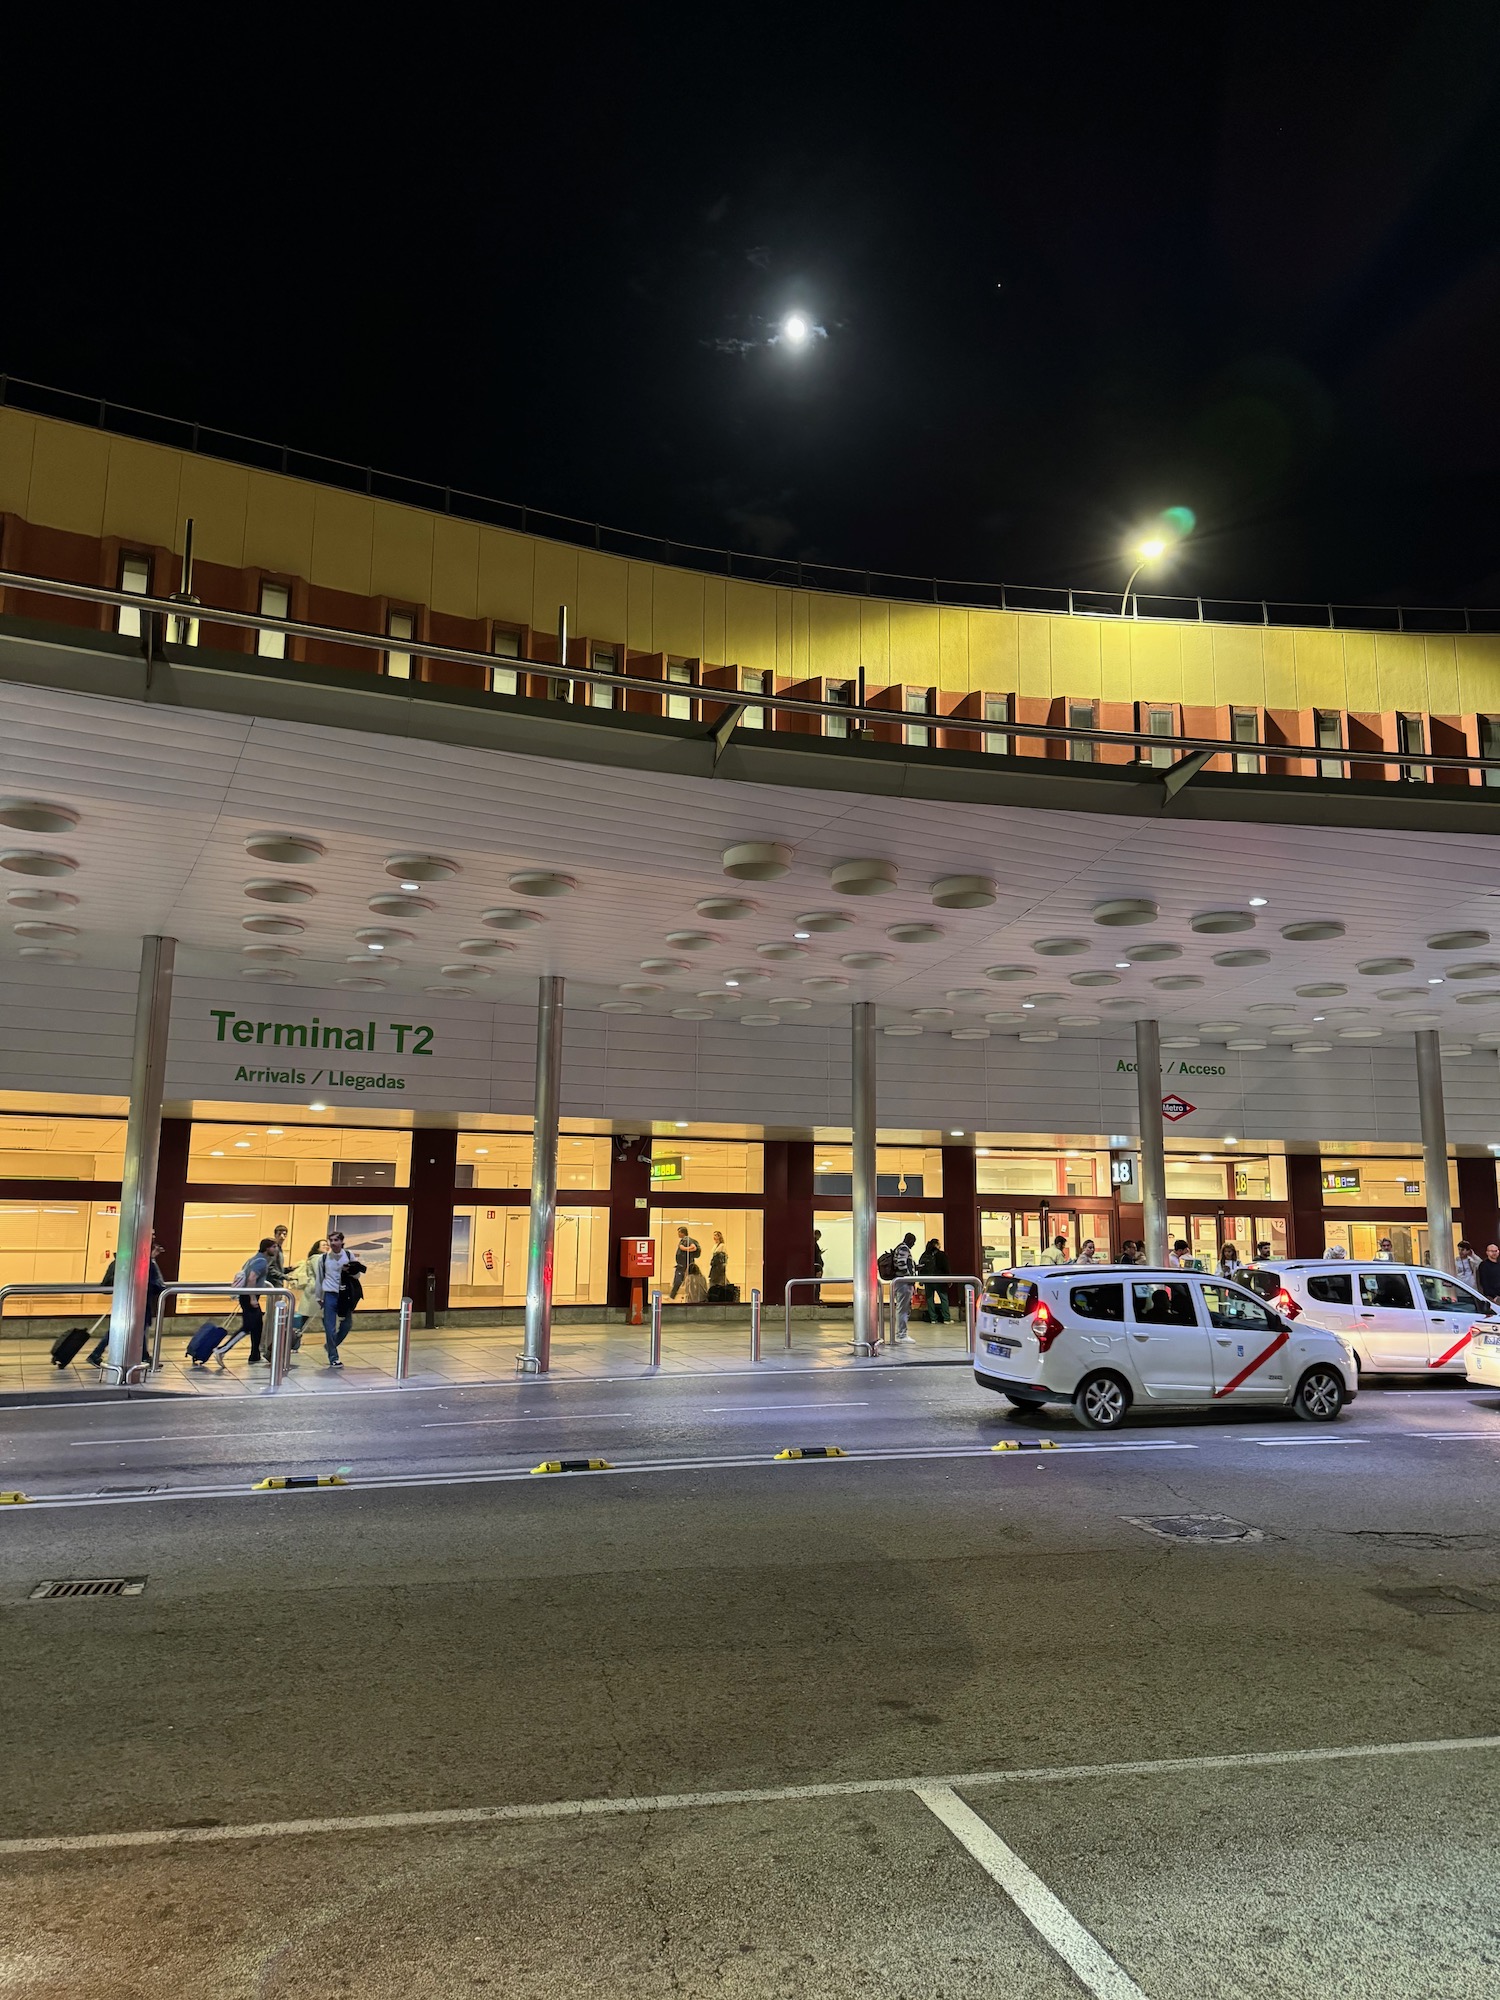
point(241, 1276)
point(885, 1264)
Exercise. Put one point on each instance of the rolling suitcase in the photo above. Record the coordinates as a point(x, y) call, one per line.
point(67, 1345)
point(205, 1341)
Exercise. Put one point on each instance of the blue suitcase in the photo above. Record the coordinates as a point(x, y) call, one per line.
point(204, 1342)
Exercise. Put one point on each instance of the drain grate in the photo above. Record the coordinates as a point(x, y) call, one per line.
point(54, 1588)
point(1436, 1600)
point(1195, 1527)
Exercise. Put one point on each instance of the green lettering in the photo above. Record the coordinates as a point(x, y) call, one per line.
point(262, 1029)
point(244, 1031)
point(401, 1029)
point(422, 1046)
point(221, 1015)
point(333, 1038)
point(286, 1030)
point(354, 1038)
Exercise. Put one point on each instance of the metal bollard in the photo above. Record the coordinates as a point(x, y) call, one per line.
point(403, 1342)
point(754, 1324)
point(281, 1320)
point(969, 1303)
point(654, 1357)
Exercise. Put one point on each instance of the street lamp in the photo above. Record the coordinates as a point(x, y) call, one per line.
point(1149, 551)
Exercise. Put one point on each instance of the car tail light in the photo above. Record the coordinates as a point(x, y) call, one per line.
point(1046, 1326)
point(1286, 1305)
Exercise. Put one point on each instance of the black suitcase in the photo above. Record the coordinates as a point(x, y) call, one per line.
point(205, 1341)
point(67, 1345)
point(723, 1295)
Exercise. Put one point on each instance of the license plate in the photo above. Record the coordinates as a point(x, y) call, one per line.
point(998, 1347)
point(1492, 1340)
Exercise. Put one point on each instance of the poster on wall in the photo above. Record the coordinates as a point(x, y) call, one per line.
point(368, 1237)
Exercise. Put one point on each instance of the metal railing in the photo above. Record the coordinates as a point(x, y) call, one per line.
point(178, 1289)
point(125, 420)
point(729, 703)
point(653, 1347)
point(930, 1282)
point(51, 1291)
point(403, 1342)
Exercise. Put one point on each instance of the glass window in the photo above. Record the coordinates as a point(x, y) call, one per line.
point(487, 1260)
point(607, 661)
point(41, 1147)
point(679, 706)
point(1489, 738)
point(1159, 722)
point(723, 1244)
point(275, 602)
point(1384, 1288)
point(705, 1166)
point(837, 1232)
point(1360, 1182)
point(1081, 716)
point(1187, 1179)
point(1328, 734)
point(503, 1160)
point(217, 1237)
point(1234, 1309)
point(1330, 1290)
point(1258, 1177)
point(400, 625)
point(256, 1155)
point(841, 691)
point(997, 709)
point(1038, 1173)
point(916, 703)
point(506, 646)
point(1163, 1303)
point(135, 576)
point(1244, 727)
point(1410, 735)
point(1098, 1301)
point(901, 1172)
point(752, 681)
point(55, 1243)
point(1444, 1296)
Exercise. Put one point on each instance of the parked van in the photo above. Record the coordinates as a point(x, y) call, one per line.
point(1403, 1319)
point(1105, 1337)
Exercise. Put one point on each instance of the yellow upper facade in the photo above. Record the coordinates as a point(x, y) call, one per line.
point(88, 482)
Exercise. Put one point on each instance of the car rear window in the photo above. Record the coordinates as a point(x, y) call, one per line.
point(1384, 1288)
point(1331, 1290)
point(1012, 1296)
point(1098, 1301)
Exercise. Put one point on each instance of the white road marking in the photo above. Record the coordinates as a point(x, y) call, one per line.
point(749, 1409)
point(553, 1417)
point(1051, 1919)
point(848, 1788)
point(187, 1437)
point(1308, 1440)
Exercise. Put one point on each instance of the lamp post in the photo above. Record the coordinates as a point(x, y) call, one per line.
point(1149, 552)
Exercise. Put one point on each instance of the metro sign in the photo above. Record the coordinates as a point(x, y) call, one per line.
point(1175, 1107)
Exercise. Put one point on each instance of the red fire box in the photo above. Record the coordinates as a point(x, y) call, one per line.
point(638, 1263)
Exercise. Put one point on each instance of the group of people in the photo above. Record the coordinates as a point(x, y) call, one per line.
point(327, 1284)
point(687, 1272)
point(899, 1264)
point(1179, 1258)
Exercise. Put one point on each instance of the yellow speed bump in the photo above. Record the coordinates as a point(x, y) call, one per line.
point(1025, 1444)
point(812, 1451)
point(12, 1499)
point(573, 1465)
point(313, 1479)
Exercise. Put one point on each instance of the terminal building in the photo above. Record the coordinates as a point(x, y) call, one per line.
point(791, 901)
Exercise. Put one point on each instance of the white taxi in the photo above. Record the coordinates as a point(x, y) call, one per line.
point(1482, 1355)
point(1402, 1319)
point(1104, 1337)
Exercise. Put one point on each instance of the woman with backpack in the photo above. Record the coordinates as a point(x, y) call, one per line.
point(339, 1273)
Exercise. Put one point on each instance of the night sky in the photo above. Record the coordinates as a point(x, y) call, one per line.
point(1072, 266)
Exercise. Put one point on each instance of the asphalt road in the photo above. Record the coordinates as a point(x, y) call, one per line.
point(707, 1621)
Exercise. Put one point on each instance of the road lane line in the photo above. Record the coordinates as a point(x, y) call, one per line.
point(193, 1437)
point(751, 1409)
point(1308, 1440)
point(847, 1788)
point(560, 1417)
point(1051, 1919)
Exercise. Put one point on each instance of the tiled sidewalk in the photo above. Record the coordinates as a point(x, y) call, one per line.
point(582, 1352)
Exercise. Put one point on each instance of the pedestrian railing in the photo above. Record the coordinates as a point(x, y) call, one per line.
point(403, 1342)
point(284, 1304)
point(931, 1281)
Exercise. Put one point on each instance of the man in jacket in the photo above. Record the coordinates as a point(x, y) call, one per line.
point(154, 1283)
point(339, 1273)
point(687, 1256)
point(933, 1263)
point(1487, 1277)
point(904, 1268)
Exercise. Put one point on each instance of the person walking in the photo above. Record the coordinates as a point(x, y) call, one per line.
point(687, 1256)
point(1262, 1252)
point(1467, 1263)
point(1487, 1277)
point(253, 1272)
point(1176, 1262)
point(1088, 1252)
point(933, 1263)
point(817, 1269)
point(154, 1285)
point(339, 1273)
point(306, 1281)
point(903, 1269)
point(1057, 1251)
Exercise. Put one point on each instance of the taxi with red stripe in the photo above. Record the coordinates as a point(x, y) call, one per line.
point(1108, 1338)
point(1400, 1319)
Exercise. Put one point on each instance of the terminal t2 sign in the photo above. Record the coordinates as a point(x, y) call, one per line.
point(1175, 1107)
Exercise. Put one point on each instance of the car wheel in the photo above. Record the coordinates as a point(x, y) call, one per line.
point(1023, 1402)
point(1101, 1402)
point(1319, 1397)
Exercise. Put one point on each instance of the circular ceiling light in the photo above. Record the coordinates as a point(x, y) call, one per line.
point(1458, 941)
point(1177, 982)
point(272, 972)
point(381, 936)
point(963, 892)
point(727, 909)
point(286, 850)
point(781, 948)
point(1472, 1000)
point(1345, 1013)
point(1266, 1009)
point(51, 954)
point(1478, 968)
point(1078, 1020)
point(1007, 1020)
point(903, 1028)
point(1218, 923)
point(692, 1014)
point(491, 947)
point(459, 971)
point(826, 982)
point(1416, 1018)
point(511, 920)
point(1330, 990)
point(1003, 974)
point(541, 882)
point(1045, 1000)
point(659, 964)
point(37, 816)
point(400, 906)
point(913, 933)
point(756, 861)
point(639, 988)
point(1179, 1041)
point(1060, 947)
point(932, 1013)
point(746, 975)
point(691, 940)
point(1313, 931)
point(270, 890)
point(863, 878)
point(387, 963)
point(866, 961)
point(1246, 955)
point(1118, 1006)
point(1093, 978)
point(1360, 1034)
point(966, 993)
point(29, 861)
point(1121, 911)
point(421, 867)
point(364, 982)
point(1218, 1027)
point(1285, 1032)
point(273, 926)
point(968, 1034)
point(619, 1007)
point(1385, 968)
point(760, 1020)
point(1458, 1048)
point(1243, 1042)
point(1401, 993)
point(1311, 1048)
point(822, 920)
point(1037, 1035)
point(40, 899)
point(271, 951)
point(1152, 954)
point(39, 927)
point(783, 1003)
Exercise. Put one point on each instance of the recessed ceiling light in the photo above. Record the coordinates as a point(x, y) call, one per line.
point(1258, 902)
point(317, 1107)
point(1434, 982)
point(955, 1135)
point(243, 1142)
point(681, 1124)
point(273, 1131)
point(480, 1150)
point(1231, 1142)
point(1028, 1003)
point(217, 1153)
point(375, 947)
point(1122, 965)
point(801, 935)
point(731, 982)
point(410, 887)
point(1205, 1156)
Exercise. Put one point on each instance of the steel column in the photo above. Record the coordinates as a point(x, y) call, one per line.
point(148, 1072)
point(866, 1278)
point(1434, 1149)
point(536, 1358)
point(1153, 1151)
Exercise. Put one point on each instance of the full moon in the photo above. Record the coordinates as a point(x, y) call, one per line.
point(795, 327)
